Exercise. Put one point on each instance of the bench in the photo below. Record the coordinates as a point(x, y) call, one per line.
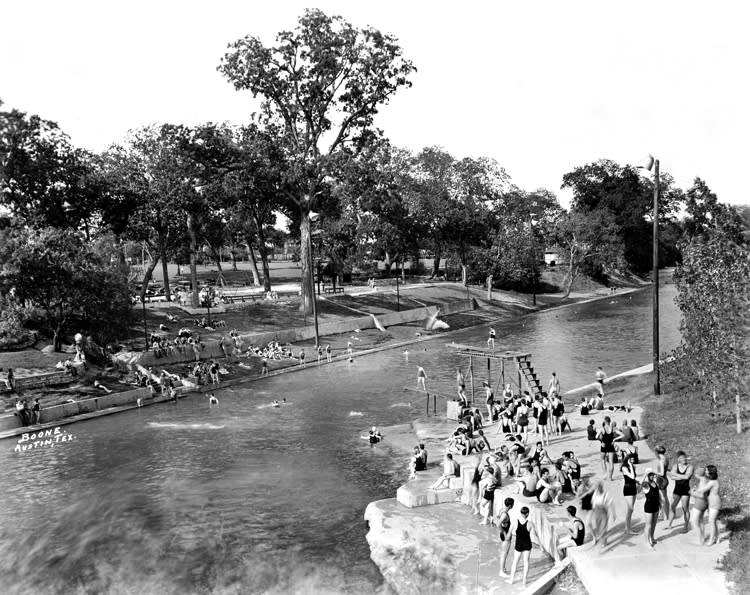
point(253, 297)
point(333, 290)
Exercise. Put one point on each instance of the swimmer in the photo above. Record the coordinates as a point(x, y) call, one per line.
point(98, 384)
point(276, 404)
point(212, 400)
point(421, 375)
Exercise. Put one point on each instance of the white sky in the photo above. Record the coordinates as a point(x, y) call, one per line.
point(541, 86)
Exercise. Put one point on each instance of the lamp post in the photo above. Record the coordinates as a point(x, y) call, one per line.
point(313, 217)
point(648, 165)
point(398, 298)
point(145, 328)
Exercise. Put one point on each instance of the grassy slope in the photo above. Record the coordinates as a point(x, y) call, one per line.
point(684, 424)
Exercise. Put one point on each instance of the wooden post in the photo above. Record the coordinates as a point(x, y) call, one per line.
point(434, 403)
point(489, 372)
point(655, 274)
point(502, 371)
point(471, 371)
point(428, 404)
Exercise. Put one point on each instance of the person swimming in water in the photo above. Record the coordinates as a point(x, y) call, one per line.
point(374, 436)
point(212, 400)
point(276, 404)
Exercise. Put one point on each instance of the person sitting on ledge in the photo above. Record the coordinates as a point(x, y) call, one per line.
point(99, 385)
point(450, 469)
point(591, 430)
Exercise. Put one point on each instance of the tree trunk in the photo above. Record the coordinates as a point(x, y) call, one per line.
point(464, 275)
point(165, 271)
point(305, 260)
point(253, 264)
point(571, 274)
point(263, 255)
point(193, 264)
point(387, 263)
point(234, 258)
point(147, 277)
point(435, 264)
point(56, 340)
point(738, 411)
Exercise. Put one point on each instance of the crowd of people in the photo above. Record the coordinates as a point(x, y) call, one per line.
point(540, 479)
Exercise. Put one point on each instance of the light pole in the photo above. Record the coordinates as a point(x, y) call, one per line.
point(313, 217)
point(398, 298)
point(649, 164)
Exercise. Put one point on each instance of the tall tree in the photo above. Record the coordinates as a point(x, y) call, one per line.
point(322, 84)
point(149, 183)
point(44, 179)
point(713, 284)
point(592, 242)
point(74, 286)
point(628, 197)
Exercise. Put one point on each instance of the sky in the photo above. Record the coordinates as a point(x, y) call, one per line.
point(542, 87)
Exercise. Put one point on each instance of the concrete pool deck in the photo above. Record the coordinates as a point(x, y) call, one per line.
point(626, 565)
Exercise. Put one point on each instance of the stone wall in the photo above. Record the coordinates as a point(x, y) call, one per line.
point(57, 412)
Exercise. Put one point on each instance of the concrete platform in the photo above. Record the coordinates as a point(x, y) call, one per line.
point(441, 549)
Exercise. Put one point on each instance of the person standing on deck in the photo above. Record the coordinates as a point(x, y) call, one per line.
point(421, 375)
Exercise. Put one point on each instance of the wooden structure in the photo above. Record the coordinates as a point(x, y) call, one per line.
point(515, 368)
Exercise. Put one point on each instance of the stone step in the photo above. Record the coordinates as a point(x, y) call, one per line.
point(417, 493)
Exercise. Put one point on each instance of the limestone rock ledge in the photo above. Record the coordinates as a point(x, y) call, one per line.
point(438, 549)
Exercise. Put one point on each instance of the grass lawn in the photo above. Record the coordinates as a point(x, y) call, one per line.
point(684, 424)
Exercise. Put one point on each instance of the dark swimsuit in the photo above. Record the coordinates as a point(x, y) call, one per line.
point(681, 486)
point(652, 505)
point(581, 533)
point(630, 488)
point(543, 417)
point(586, 501)
point(504, 526)
point(523, 538)
point(608, 439)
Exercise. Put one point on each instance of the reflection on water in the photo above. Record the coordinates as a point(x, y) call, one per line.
point(180, 498)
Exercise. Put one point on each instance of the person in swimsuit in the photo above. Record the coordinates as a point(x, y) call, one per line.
point(700, 504)
point(502, 521)
point(573, 468)
point(662, 468)
point(602, 513)
point(576, 533)
point(606, 437)
point(487, 487)
point(681, 474)
point(529, 482)
point(212, 400)
point(474, 496)
point(714, 503)
point(522, 421)
point(557, 409)
point(507, 394)
point(548, 490)
point(554, 385)
point(491, 339)
point(542, 420)
point(524, 531)
point(629, 489)
point(600, 377)
point(328, 353)
point(490, 401)
point(651, 506)
point(421, 375)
